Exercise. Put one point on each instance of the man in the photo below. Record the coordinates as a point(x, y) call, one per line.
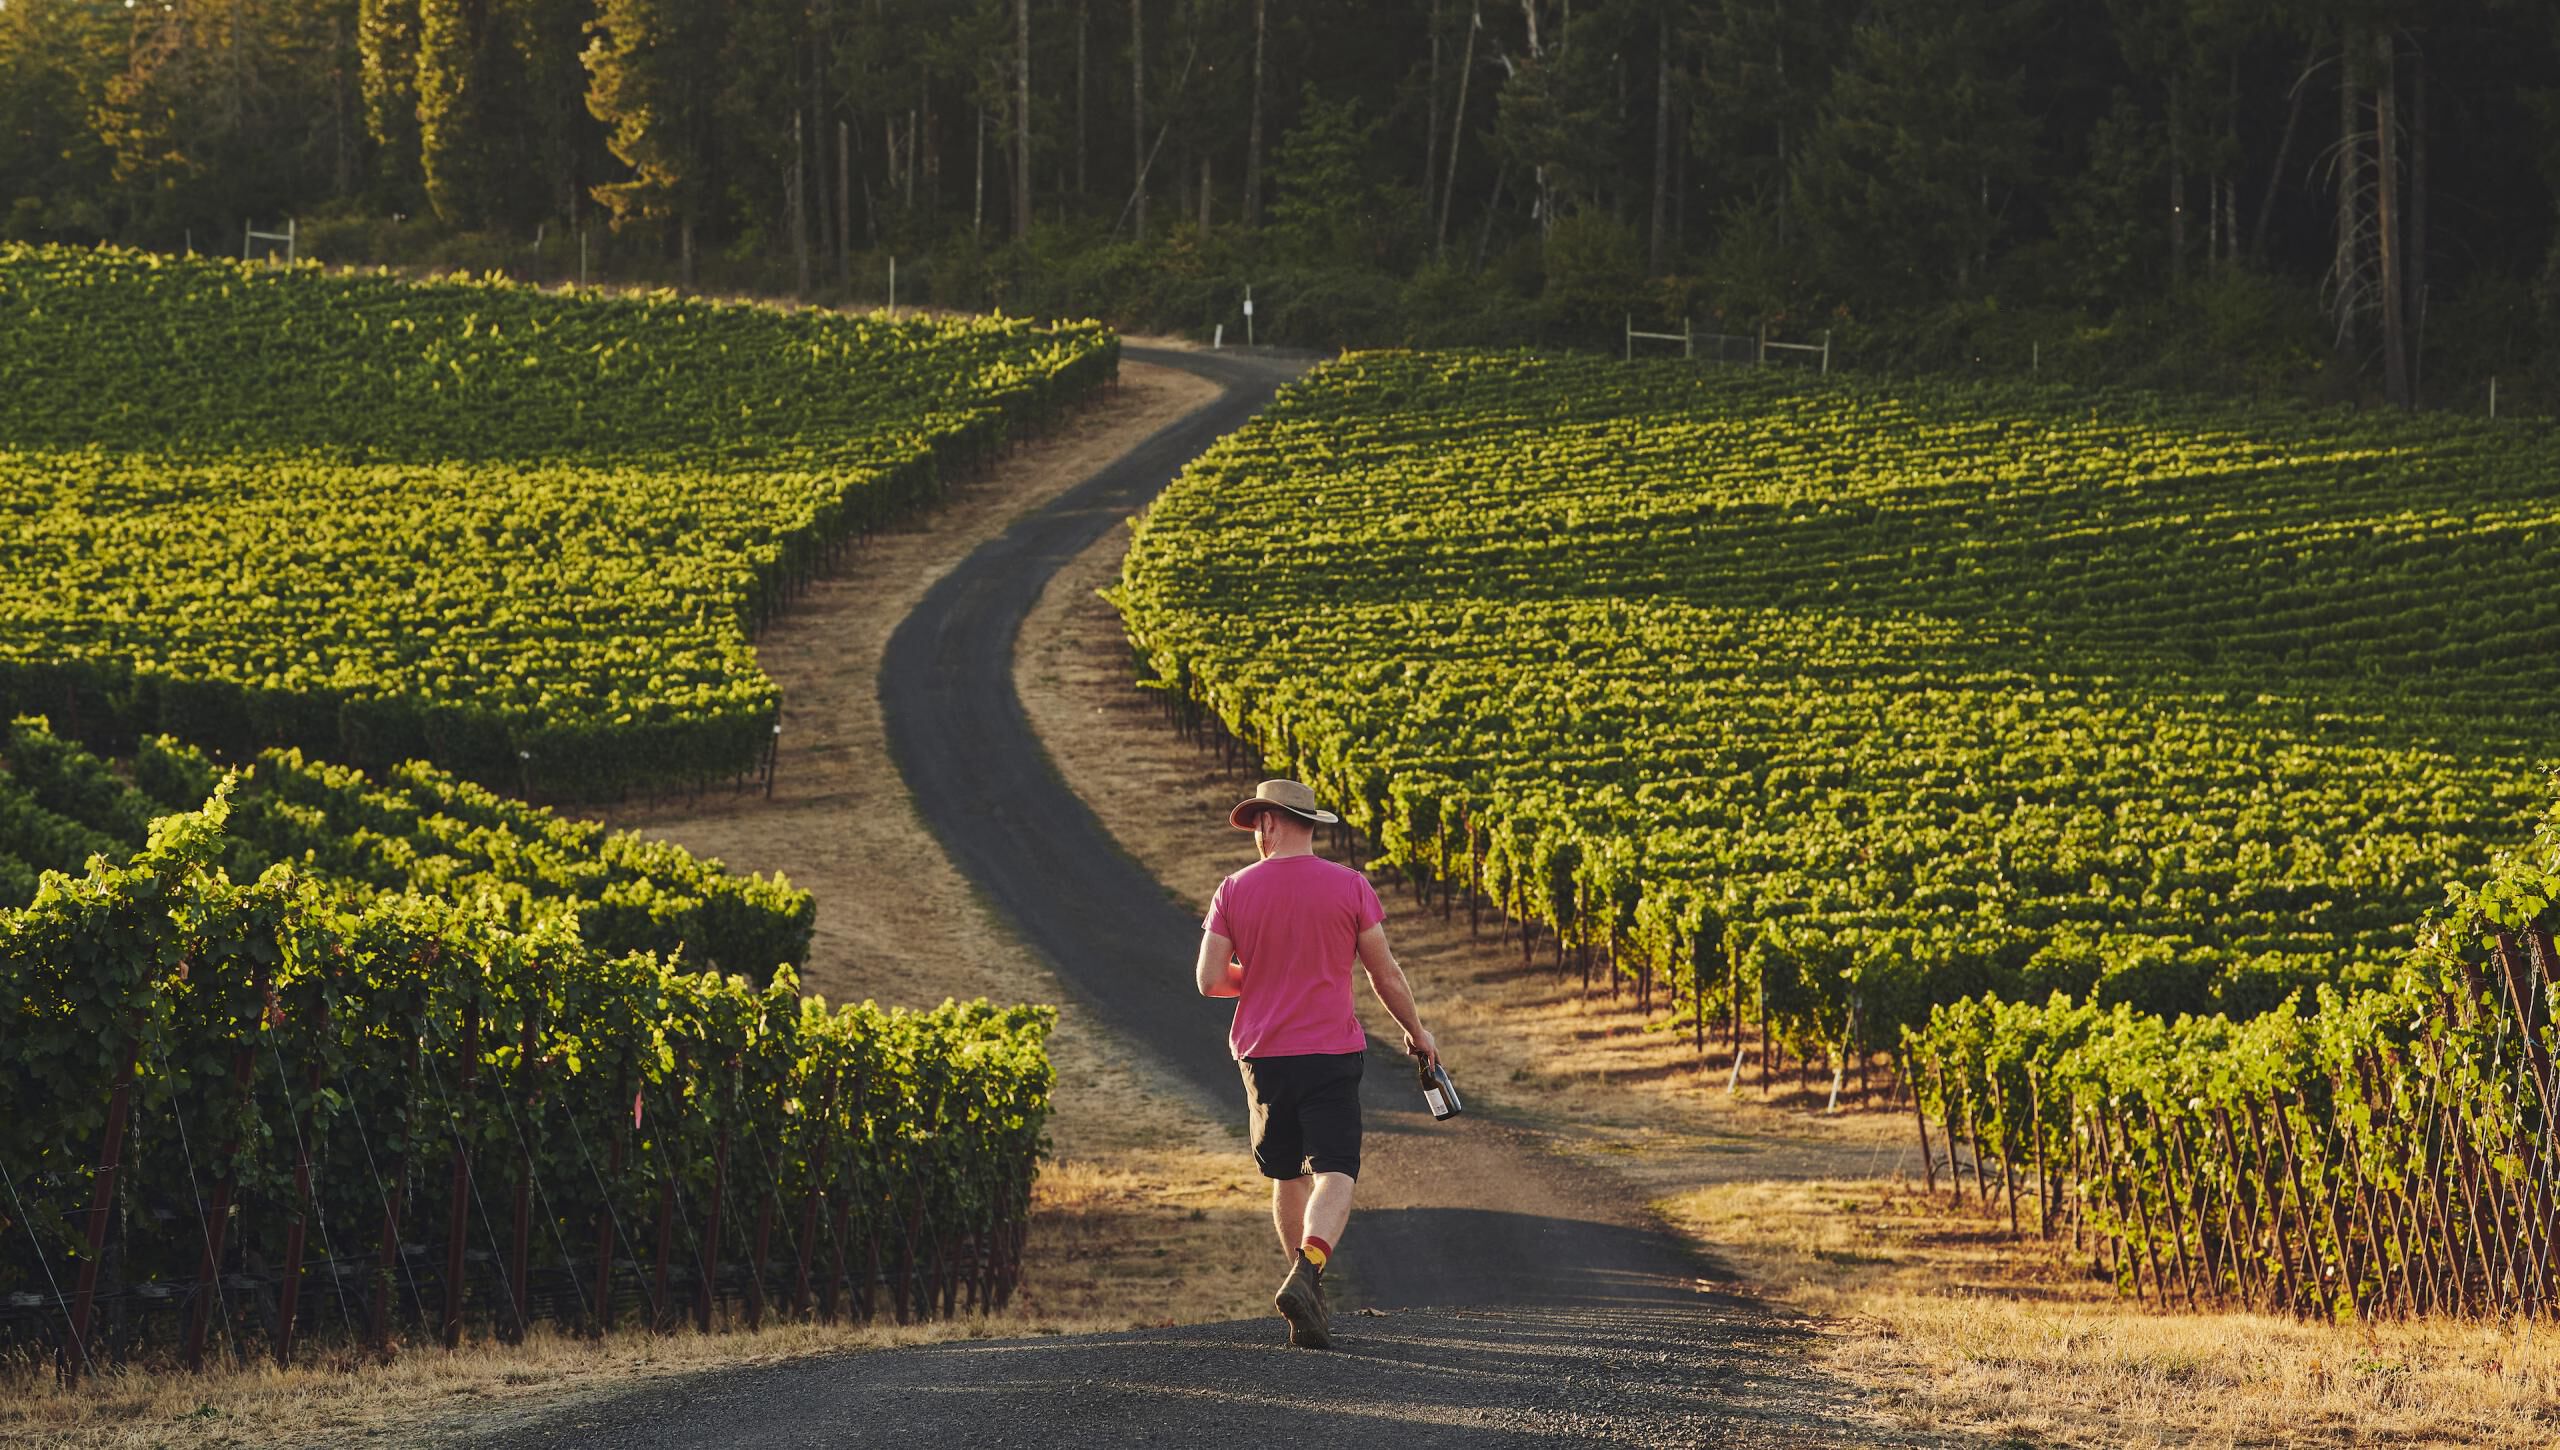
point(1280, 938)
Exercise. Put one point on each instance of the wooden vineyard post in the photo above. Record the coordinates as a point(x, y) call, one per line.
point(2000, 1110)
point(2215, 1235)
point(1947, 1106)
point(217, 1226)
point(289, 1301)
point(2302, 1279)
point(2169, 1201)
point(102, 1197)
point(660, 1318)
point(1928, 1163)
point(2120, 1260)
point(910, 1222)
point(2244, 1210)
point(2142, 1208)
point(2316, 1261)
point(762, 1244)
point(1764, 1036)
point(809, 1202)
point(459, 1202)
point(2393, 1286)
point(2035, 1137)
point(2400, 1202)
point(707, 1261)
point(386, 1256)
point(1973, 1131)
point(520, 1232)
point(2079, 1188)
point(604, 1208)
point(2349, 1268)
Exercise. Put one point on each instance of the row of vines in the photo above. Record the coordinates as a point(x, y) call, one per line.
point(233, 1114)
point(1826, 701)
point(2390, 1152)
point(528, 536)
point(412, 829)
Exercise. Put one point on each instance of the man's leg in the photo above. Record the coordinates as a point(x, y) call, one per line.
point(1325, 1211)
point(1289, 1211)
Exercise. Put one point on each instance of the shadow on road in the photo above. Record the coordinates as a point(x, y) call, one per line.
point(1704, 1373)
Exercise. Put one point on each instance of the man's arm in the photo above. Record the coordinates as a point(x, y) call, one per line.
point(1216, 971)
point(1386, 978)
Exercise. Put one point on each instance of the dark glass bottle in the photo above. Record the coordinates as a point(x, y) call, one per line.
point(1438, 1093)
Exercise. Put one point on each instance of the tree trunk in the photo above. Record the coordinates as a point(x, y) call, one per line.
point(2284, 152)
point(1138, 115)
point(978, 180)
point(1083, 16)
point(1457, 128)
point(1253, 132)
point(1660, 235)
point(2413, 264)
point(2350, 182)
point(2386, 218)
point(817, 171)
point(1680, 122)
point(798, 191)
point(1206, 191)
point(2225, 193)
point(1022, 120)
point(1431, 120)
point(844, 202)
point(342, 154)
point(2177, 184)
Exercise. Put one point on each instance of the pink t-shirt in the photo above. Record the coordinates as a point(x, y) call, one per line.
point(1296, 924)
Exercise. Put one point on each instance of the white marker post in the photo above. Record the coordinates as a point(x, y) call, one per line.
point(1248, 315)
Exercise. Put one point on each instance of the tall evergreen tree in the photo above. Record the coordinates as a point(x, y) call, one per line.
point(1902, 183)
point(387, 46)
point(650, 83)
point(461, 88)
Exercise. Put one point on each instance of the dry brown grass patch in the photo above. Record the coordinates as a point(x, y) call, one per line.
point(1970, 1332)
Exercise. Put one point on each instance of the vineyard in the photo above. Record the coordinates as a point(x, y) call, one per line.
point(1823, 702)
point(526, 536)
point(368, 1050)
point(435, 1069)
point(2390, 1152)
point(418, 830)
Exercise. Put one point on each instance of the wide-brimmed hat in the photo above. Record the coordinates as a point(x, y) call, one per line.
point(1289, 796)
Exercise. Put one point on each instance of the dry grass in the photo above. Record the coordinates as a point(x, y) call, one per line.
point(413, 1396)
point(1966, 1331)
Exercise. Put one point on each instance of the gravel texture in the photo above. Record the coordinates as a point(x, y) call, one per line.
point(1706, 1373)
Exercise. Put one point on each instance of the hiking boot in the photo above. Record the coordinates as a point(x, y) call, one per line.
point(1301, 1302)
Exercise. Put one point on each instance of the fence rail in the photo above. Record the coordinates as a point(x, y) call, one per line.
point(1729, 347)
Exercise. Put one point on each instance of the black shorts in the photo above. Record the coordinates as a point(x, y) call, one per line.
point(1304, 1109)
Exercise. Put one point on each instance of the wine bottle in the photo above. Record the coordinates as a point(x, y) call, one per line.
point(1438, 1093)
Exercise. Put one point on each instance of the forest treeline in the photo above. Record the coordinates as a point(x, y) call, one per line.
point(2356, 197)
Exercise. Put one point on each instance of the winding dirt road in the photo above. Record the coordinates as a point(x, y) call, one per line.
point(1486, 1295)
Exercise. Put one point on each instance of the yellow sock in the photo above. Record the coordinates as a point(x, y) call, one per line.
point(1317, 1251)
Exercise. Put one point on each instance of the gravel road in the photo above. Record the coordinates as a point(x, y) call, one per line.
point(1486, 1295)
